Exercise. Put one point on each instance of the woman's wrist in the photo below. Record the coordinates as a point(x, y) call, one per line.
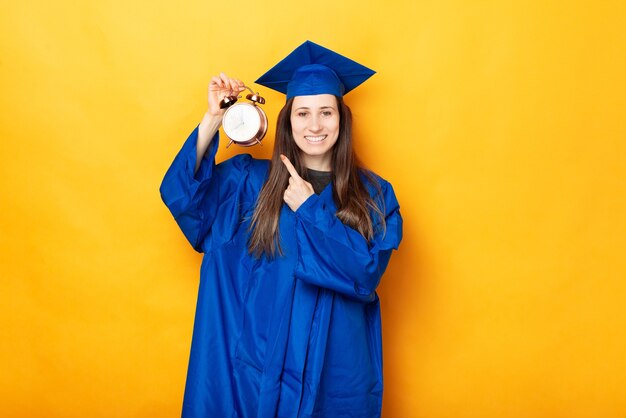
point(209, 126)
point(210, 120)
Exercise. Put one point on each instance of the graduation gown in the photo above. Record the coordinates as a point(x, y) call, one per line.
point(294, 336)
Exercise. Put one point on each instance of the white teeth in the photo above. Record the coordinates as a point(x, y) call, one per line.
point(315, 138)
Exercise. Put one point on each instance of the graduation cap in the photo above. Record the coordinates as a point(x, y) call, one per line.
point(312, 69)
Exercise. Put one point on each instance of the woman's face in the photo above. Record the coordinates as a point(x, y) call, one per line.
point(315, 128)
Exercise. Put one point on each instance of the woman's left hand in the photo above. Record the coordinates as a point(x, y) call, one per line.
point(299, 190)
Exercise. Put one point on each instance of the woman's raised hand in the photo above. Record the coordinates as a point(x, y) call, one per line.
point(220, 87)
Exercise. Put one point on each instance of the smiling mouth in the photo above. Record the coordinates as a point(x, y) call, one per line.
point(315, 139)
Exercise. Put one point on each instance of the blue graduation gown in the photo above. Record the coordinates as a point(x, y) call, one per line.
point(296, 336)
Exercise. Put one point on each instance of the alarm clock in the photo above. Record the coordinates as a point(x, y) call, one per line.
point(244, 124)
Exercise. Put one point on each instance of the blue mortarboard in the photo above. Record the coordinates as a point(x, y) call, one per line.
point(312, 69)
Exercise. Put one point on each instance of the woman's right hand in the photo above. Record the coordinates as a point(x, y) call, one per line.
point(220, 87)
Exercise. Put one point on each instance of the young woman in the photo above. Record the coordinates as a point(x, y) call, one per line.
point(287, 321)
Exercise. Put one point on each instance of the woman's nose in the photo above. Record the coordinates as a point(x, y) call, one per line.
point(315, 124)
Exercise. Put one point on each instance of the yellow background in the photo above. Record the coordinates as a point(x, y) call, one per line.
point(500, 124)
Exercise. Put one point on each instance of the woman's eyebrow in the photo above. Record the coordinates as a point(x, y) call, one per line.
point(307, 108)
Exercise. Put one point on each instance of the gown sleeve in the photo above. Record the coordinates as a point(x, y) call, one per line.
point(209, 201)
point(335, 256)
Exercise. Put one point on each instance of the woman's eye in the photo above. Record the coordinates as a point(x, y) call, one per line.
point(301, 114)
point(327, 113)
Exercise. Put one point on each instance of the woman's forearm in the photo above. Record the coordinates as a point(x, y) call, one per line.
point(206, 131)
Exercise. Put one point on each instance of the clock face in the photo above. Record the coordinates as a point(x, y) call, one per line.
point(241, 122)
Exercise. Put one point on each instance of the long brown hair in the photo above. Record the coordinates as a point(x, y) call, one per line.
point(349, 193)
